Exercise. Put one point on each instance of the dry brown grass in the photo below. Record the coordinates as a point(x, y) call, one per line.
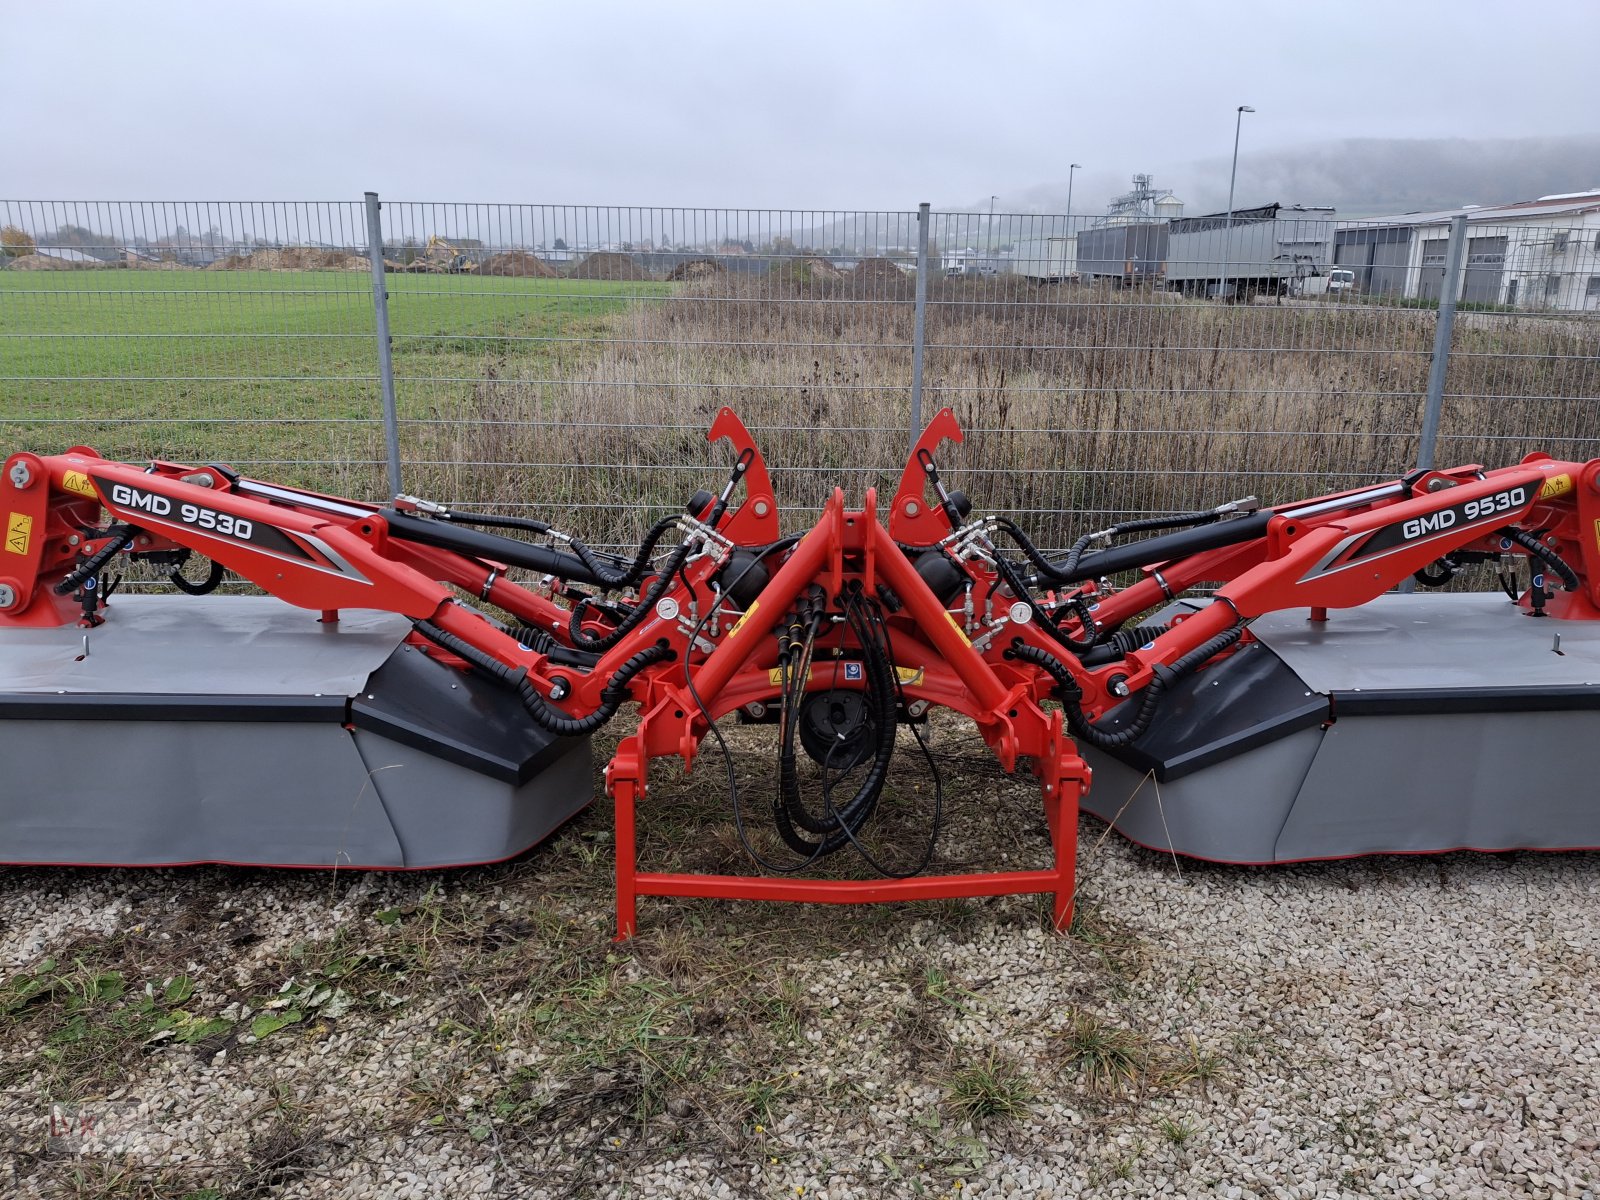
point(1078, 402)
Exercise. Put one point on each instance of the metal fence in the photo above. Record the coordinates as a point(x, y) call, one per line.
point(570, 359)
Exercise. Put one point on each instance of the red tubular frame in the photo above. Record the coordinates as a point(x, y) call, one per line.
point(852, 547)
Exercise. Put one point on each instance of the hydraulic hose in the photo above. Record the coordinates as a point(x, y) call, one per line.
point(205, 587)
point(546, 716)
point(1055, 572)
point(842, 821)
point(1071, 695)
point(647, 603)
point(121, 536)
point(1544, 554)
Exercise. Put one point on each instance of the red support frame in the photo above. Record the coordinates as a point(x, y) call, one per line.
point(845, 548)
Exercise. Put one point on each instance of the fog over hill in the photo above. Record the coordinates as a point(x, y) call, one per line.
point(1358, 176)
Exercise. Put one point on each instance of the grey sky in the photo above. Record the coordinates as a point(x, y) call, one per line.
point(860, 105)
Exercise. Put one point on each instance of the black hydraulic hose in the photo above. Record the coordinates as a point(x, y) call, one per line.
point(1544, 554)
point(1052, 570)
point(475, 543)
point(1019, 587)
point(1071, 695)
point(205, 587)
point(843, 820)
point(641, 561)
point(1122, 643)
point(608, 570)
point(121, 536)
point(641, 610)
point(547, 717)
point(1179, 543)
point(611, 696)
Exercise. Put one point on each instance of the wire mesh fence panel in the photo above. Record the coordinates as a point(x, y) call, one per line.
point(1524, 368)
point(571, 359)
point(1111, 368)
point(232, 332)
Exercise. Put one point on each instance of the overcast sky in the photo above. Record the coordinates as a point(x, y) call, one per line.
point(816, 105)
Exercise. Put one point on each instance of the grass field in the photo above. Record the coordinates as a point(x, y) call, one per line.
point(265, 368)
point(590, 399)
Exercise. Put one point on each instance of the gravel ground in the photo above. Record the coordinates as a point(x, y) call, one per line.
point(1393, 1027)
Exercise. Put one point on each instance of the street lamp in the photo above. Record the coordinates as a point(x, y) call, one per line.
point(1238, 121)
point(1234, 174)
point(1071, 170)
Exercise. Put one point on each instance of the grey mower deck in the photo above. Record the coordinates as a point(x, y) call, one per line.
point(1415, 723)
point(242, 730)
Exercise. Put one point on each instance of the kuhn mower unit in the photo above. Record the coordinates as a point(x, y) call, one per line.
point(431, 710)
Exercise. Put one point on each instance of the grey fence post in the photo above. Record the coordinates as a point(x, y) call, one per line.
point(1442, 333)
point(919, 331)
point(380, 307)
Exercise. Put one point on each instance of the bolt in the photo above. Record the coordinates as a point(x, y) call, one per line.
point(559, 688)
point(756, 709)
point(1438, 485)
point(8, 595)
point(762, 508)
point(74, 540)
point(20, 476)
point(1118, 685)
point(917, 707)
point(912, 508)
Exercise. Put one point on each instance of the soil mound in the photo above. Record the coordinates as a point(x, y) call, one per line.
point(879, 275)
point(519, 263)
point(696, 268)
point(607, 264)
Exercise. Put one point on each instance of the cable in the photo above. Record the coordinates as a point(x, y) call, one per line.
point(121, 536)
point(727, 755)
point(1070, 693)
point(1544, 554)
point(874, 617)
point(647, 602)
point(606, 575)
point(205, 587)
point(548, 718)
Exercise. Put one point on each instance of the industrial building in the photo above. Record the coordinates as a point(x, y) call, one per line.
point(1534, 254)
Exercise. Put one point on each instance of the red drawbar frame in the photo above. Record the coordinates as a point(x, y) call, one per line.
point(848, 546)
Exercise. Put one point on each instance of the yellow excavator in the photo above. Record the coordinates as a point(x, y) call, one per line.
point(440, 257)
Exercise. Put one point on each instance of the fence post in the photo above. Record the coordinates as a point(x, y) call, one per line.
point(1442, 334)
point(380, 307)
point(919, 332)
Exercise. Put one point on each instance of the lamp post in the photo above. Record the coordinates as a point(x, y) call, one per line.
point(1071, 170)
point(1233, 175)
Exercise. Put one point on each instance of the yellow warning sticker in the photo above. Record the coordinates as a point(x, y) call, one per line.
point(956, 625)
point(739, 624)
point(19, 532)
point(77, 481)
point(909, 676)
point(1556, 485)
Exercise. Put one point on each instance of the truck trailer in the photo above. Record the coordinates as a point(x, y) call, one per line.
point(1127, 254)
point(1046, 260)
point(1267, 251)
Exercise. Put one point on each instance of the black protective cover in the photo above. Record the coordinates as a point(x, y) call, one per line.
point(461, 717)
point(1246, 700)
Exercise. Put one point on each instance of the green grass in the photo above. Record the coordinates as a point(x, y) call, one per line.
point(147, 363)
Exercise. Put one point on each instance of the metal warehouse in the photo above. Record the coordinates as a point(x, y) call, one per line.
point(1534, 254)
